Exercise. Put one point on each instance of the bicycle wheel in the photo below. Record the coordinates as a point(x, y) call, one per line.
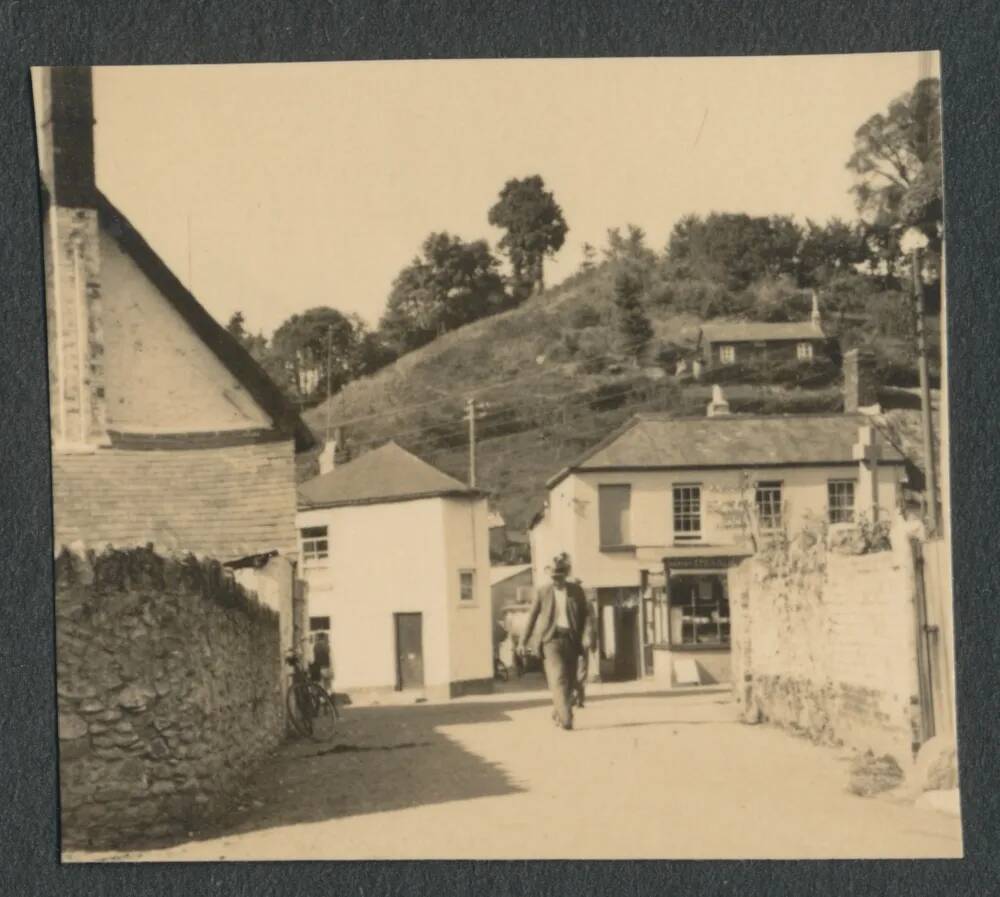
point(323, 714)
point(300, 715)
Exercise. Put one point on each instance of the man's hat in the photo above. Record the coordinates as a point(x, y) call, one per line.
point(560, 564)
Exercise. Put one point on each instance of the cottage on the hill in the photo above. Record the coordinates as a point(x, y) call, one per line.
point(396, 557)
point(748, 342)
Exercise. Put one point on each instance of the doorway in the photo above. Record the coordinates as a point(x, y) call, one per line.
point(409, 651)
point(627, 653)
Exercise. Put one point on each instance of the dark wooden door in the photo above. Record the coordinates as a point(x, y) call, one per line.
point(627, 646)
point(409, 651)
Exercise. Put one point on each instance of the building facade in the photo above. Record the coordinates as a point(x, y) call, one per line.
point(164, 430)
point(655, 516)
point(395, 555)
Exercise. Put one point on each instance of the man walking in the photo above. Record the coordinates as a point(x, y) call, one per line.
point(559, 628)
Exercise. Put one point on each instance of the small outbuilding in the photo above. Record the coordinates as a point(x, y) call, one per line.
point(395, 554)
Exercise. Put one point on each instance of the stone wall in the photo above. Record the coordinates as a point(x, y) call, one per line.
point(824, 641)
point(169, 691)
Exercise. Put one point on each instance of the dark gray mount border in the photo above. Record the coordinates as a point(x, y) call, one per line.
point(186, 31)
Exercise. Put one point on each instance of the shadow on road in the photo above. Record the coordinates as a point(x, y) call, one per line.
point(386, 758)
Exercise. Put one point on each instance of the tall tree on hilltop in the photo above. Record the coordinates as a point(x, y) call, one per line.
point(634, 328)
point(898, 171)
point(534, 226)
point(734, 249)
point(452, 283)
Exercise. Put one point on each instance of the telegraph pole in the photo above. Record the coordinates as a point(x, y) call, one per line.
point(917, 241)
point(470, 416)
point(329, 377)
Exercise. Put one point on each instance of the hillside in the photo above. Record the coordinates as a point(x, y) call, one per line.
point(554, 379)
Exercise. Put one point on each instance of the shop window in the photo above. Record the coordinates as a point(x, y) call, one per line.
point(840, 501)
point(699, 611)
point(315, 544)
point(768, 501)
point(687, 513)
point(614, 506)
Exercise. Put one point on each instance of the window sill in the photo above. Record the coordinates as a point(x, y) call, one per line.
point(617, 549)
point(694, 649)
point(468, 604)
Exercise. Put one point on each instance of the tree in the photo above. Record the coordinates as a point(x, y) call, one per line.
point(320, 351)
point(589, 254)
point(634, 328)
point(733, 249)
point(451, 284)
point(830, 249)
point(534, 226)
point(898, 170)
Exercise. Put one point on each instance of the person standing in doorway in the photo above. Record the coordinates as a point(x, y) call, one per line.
point(559, 629)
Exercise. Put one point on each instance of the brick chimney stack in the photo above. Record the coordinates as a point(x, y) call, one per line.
point(64, 110)
point(859, 381)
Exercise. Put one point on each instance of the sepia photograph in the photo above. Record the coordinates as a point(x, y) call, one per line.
point(500, 459)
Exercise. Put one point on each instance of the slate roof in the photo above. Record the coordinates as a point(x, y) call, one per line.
point(386, 474)
point(756, 331)
point(658, 441)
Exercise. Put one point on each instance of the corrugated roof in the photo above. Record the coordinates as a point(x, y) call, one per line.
point(746, 332)
point(735, 440)
point(388, 473)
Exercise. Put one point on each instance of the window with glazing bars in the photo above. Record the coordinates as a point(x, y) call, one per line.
point(769, 505)
point(315, 545)
point(840, 500)
point(687, 512)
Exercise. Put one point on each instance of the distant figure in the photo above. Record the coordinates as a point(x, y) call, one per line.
point(319, 669)
point(559, 629)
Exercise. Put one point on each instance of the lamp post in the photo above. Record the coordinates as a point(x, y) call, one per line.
point(913, 243)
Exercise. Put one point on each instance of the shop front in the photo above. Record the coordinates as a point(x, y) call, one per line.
point(685, 616)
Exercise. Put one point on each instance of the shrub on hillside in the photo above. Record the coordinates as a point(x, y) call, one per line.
point(802, 374)
point(584, 315)
point(892, 315)
point(777, 299)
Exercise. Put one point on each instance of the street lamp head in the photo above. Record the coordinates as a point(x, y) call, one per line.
point(913, 240)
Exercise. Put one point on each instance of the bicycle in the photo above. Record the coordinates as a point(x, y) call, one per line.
point(312, 712)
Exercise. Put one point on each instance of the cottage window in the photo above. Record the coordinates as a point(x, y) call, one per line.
point(315, 545)
point(319, 624)
point(840, 500)
point(467, 585)
point(768, 500)
point(727, 354)
point(614, 506)
point(804, 351)
point(699, 610)
point(687, 512)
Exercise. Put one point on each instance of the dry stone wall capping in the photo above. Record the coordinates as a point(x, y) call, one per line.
point(169, 692)
point(824, 641)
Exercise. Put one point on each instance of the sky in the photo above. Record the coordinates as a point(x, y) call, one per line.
point(275, 188)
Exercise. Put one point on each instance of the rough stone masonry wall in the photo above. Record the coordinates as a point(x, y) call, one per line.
point(169, 690)
point(824, 643)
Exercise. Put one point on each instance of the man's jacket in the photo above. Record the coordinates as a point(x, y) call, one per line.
point(541, 625)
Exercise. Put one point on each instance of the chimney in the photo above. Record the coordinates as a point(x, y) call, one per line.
point(334, 452)
point(718, 407)
point(64, 111)
point(817, 320)
point(859, 381)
